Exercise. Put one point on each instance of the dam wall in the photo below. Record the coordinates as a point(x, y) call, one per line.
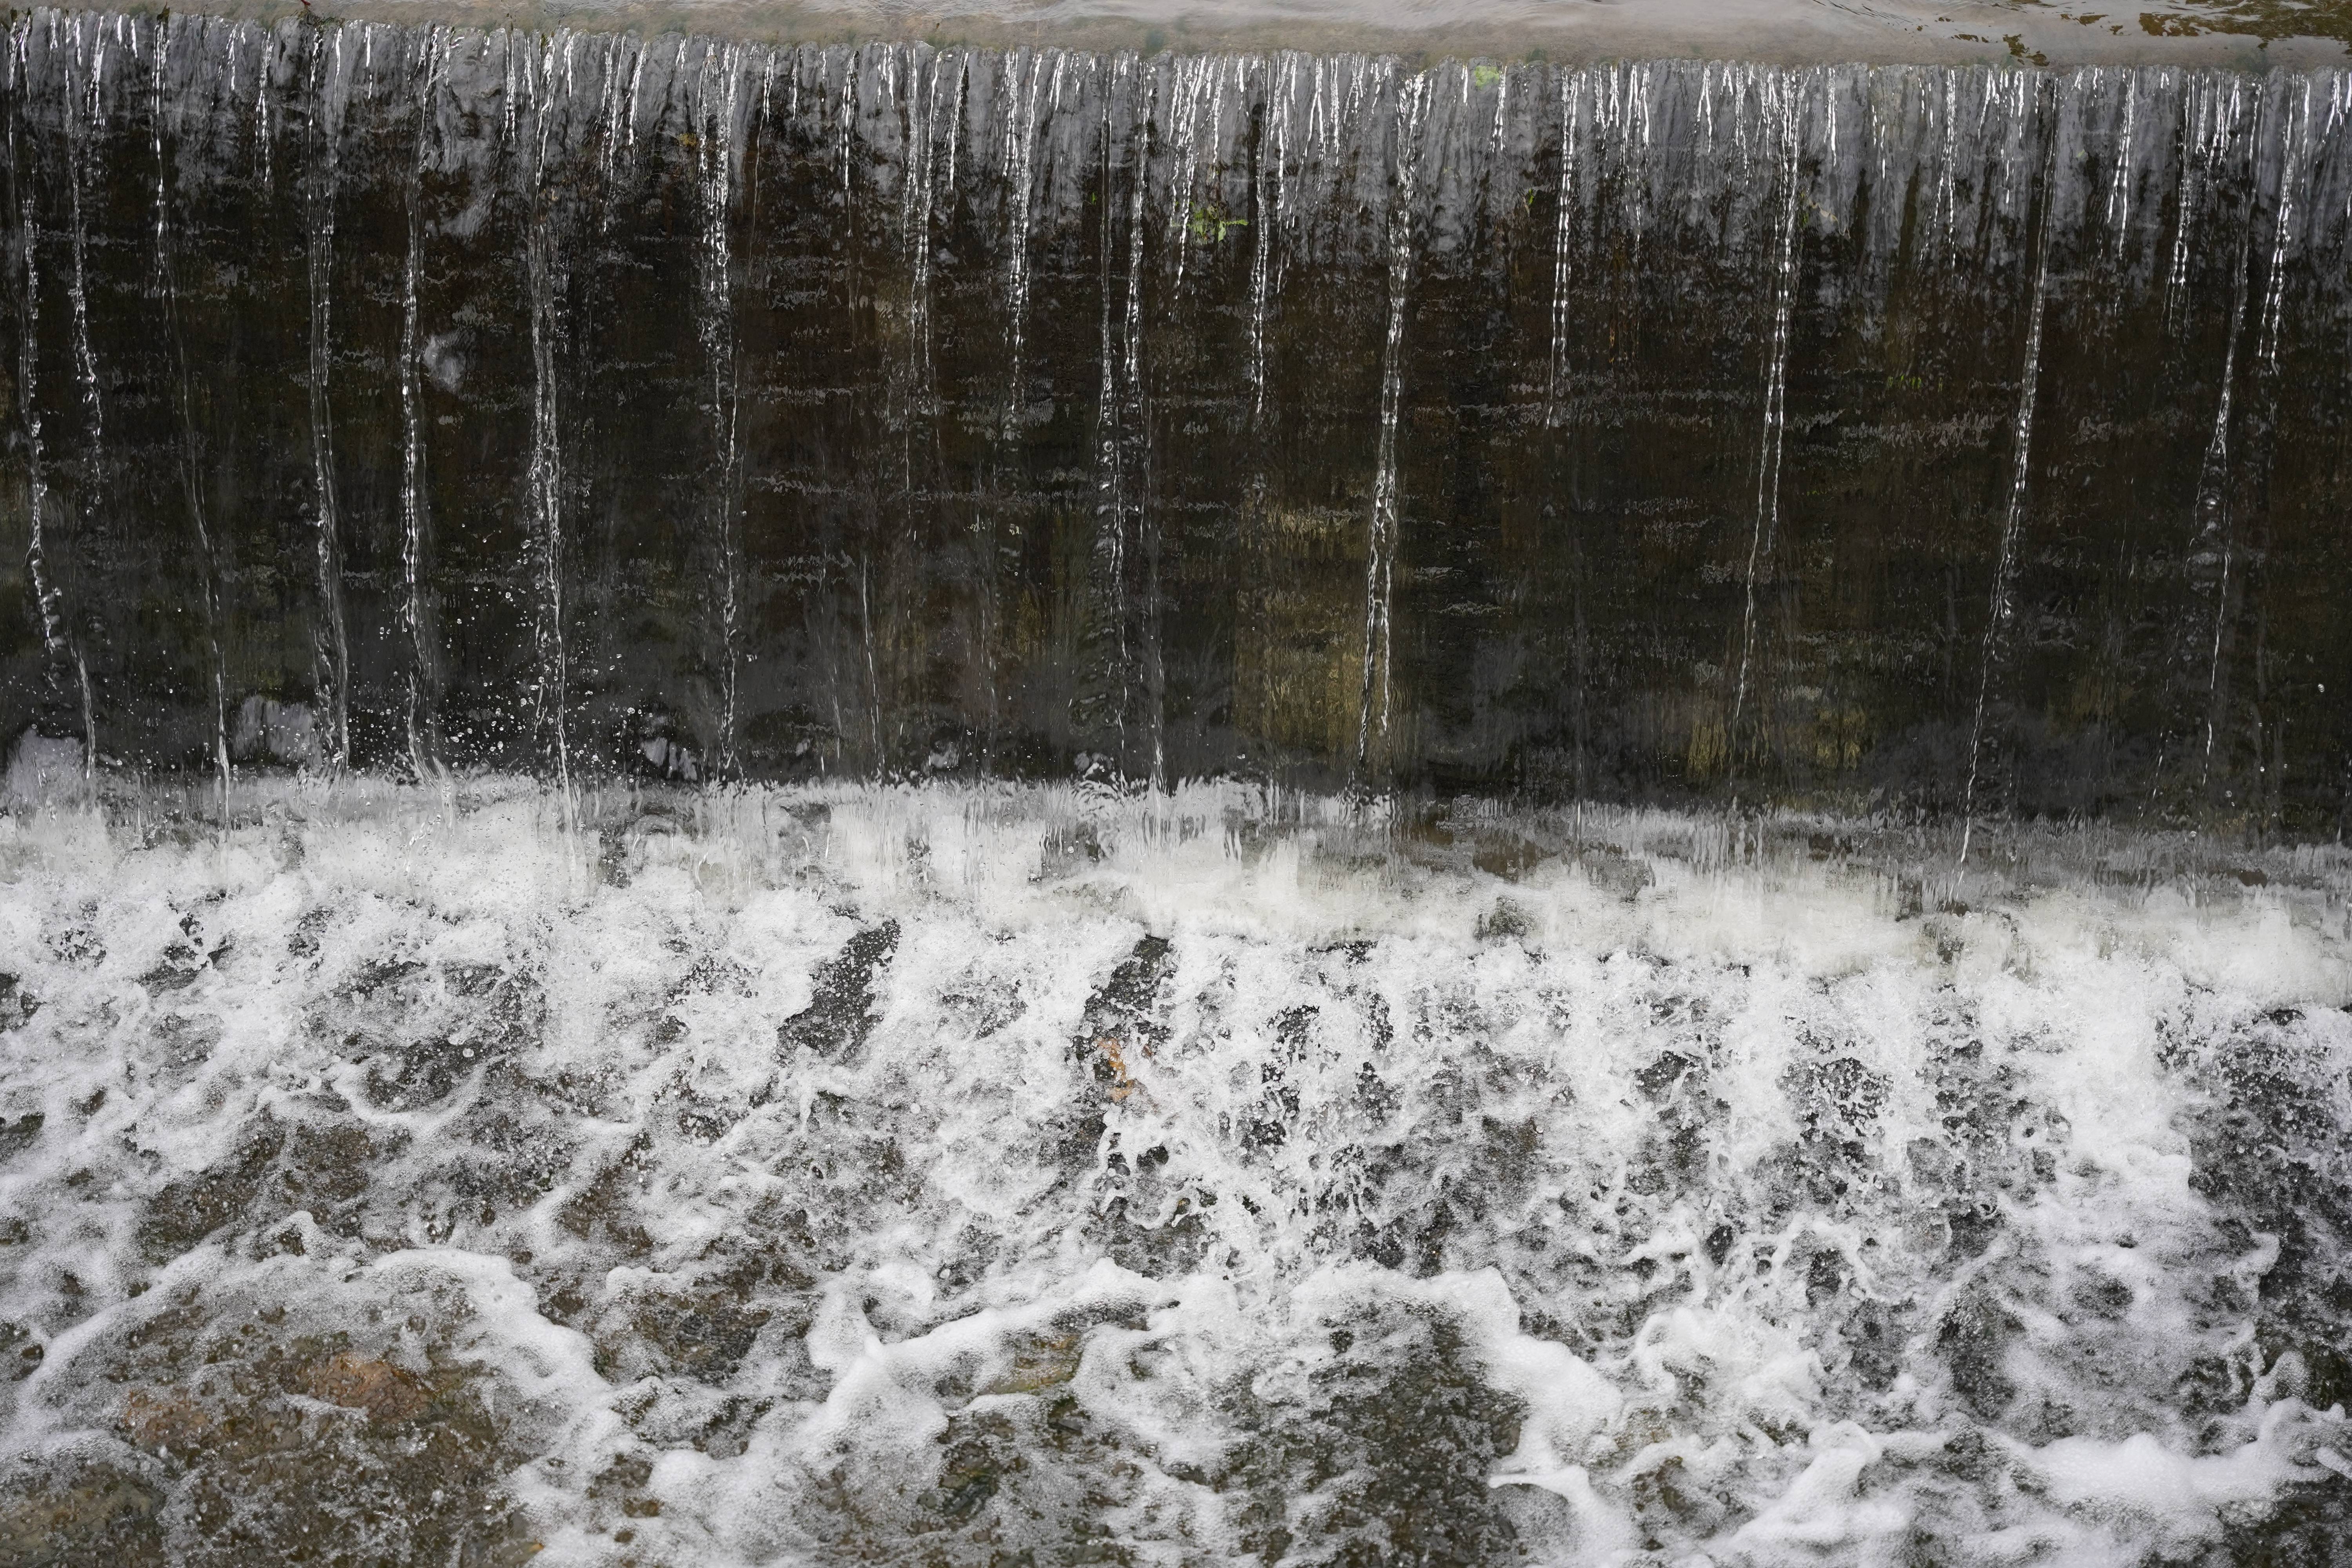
point(1945, 439)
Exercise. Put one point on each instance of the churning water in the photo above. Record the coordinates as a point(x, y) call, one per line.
point(981, 1174)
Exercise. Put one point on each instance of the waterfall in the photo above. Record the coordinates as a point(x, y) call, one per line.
point(167, 289)
point(1121, 445)
point(717, 85)
point(769, 803)
point(1776, 392)
point(46, 593)
point(546, 475)
point(1265, 217)
point(81, 114)
point(328, 85)
point(1381, 537)
point(430, 49)
point(2213, 514)
point(2004, 576)
point(1556, 418)
point(1227, 299)
point(1019, 172)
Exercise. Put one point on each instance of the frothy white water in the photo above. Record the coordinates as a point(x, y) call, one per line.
point(934, 1176)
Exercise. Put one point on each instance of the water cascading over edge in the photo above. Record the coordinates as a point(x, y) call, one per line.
point(1957, 439)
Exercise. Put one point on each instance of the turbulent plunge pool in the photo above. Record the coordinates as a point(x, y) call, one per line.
point(969, 1174)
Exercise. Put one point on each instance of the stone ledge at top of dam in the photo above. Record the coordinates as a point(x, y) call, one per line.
point(2242, 34)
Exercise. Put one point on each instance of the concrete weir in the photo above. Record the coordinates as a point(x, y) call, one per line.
point(1961, 433)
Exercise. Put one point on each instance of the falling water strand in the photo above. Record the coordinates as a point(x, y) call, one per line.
point(45, 591)
point(910, 407)
point(1633, 125)
point(1572, 108)
point(1948, 196)
point(1571, 102)
point(2185, 204)
point(1187, 218)
point(2120, 199)
point(2296, 135)
point(908, 403)
point(1265, 187)
point(83, 119)
point(167, 290)
point(1265, 207)
point(546, 435)
point(1004, 430)
point(81, 123)
point(331, 649)
point(1109, 563)
point(2013, 517)
point(413, 518)
point(865, 637)
point(1766, 530)
point(513, 65)
point(1137, 474)
point(2293, 152)
point(719, 79)
point(262, 138)
point(844, 133)
point(914, 210)
point(1021, 113)
point(616, 134)
point(2206, 136)
point(2213, 522)
point(845, 121)
point(955, 111)
point(1380, 539)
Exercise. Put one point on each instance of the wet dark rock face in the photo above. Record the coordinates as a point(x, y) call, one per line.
point(1959, 439)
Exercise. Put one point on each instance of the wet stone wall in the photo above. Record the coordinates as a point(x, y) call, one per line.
point(1951, 440)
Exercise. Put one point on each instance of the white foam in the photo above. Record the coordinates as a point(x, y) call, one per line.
point(1657, 1151)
